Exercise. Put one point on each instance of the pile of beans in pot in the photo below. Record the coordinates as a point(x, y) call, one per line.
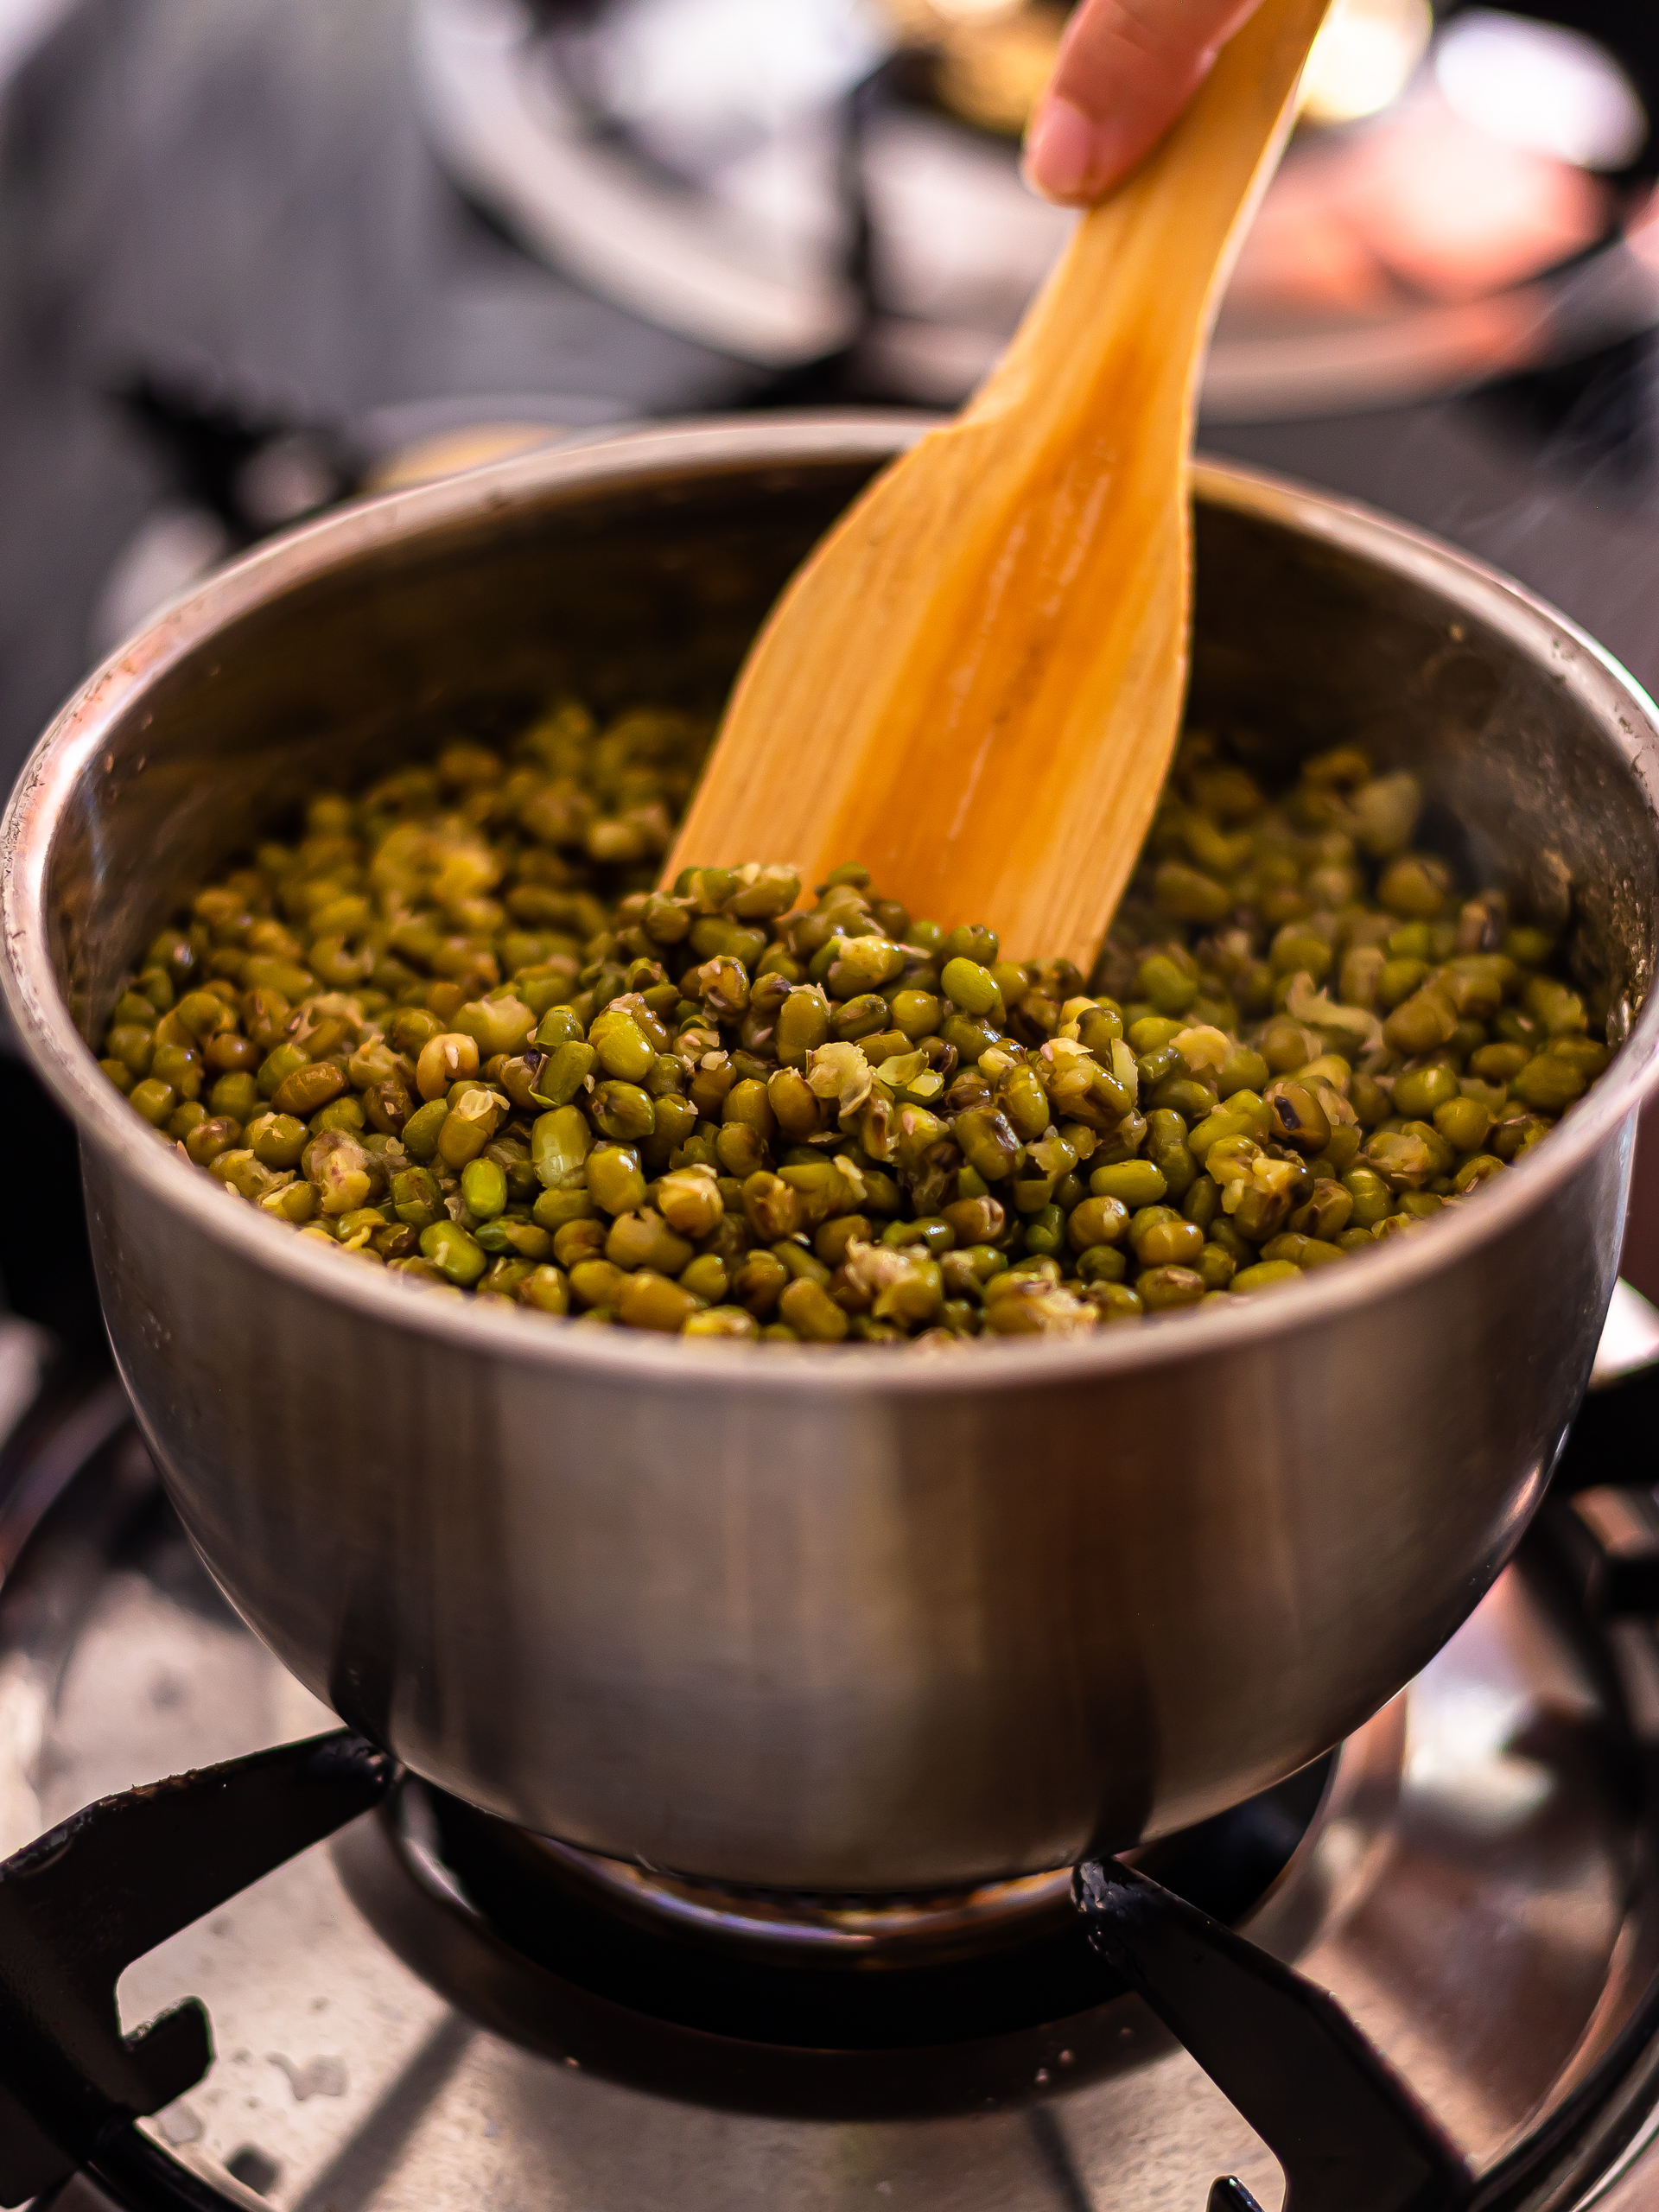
point(452, 1030)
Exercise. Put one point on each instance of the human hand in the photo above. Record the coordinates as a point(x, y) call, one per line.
point(1126, 70)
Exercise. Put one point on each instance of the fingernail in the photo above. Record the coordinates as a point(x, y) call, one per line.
point(1060, 153)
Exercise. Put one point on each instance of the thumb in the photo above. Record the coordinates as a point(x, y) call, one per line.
point(1126, 69)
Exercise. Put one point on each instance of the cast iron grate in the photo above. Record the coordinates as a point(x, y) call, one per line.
point(83, 1902)
point(80, 1905)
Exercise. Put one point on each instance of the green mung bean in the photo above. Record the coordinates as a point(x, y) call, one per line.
point(452, 1024)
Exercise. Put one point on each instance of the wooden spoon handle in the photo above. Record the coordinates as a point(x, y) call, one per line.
point(973, 685)
point(1160, 249)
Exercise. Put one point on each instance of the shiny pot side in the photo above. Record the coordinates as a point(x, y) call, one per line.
point(841, 1620)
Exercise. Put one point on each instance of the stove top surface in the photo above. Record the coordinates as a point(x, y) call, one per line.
point(396, 2024)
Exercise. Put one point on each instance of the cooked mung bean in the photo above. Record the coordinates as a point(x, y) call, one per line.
point(455, 1030)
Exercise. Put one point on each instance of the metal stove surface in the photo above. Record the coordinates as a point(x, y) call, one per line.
point(1476, 1891)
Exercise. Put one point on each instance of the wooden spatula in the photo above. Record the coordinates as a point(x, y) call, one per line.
point(973, 685)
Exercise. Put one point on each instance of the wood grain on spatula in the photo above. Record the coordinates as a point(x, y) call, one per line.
point(974, 683)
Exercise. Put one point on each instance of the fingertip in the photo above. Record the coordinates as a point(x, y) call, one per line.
point(1060, 158)
point(1074, 158)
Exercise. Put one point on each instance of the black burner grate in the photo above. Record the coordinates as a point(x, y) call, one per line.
point(86, 1900)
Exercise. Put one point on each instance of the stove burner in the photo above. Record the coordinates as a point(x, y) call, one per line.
point(860, 2010)
point(1227, 1865)
point(850, 1931)
point(78, 1905)
point(754, 1991)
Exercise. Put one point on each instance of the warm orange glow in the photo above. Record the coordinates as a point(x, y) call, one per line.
point(1420, 203)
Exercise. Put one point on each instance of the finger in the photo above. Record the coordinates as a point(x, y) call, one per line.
point(1126, 70)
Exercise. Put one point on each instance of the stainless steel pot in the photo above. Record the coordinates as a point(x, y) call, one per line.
point(836, 1620)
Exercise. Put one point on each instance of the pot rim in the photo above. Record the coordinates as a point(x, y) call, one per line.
point(60, 1056)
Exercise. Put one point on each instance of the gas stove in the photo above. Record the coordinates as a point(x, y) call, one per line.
point(1424, 1970)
